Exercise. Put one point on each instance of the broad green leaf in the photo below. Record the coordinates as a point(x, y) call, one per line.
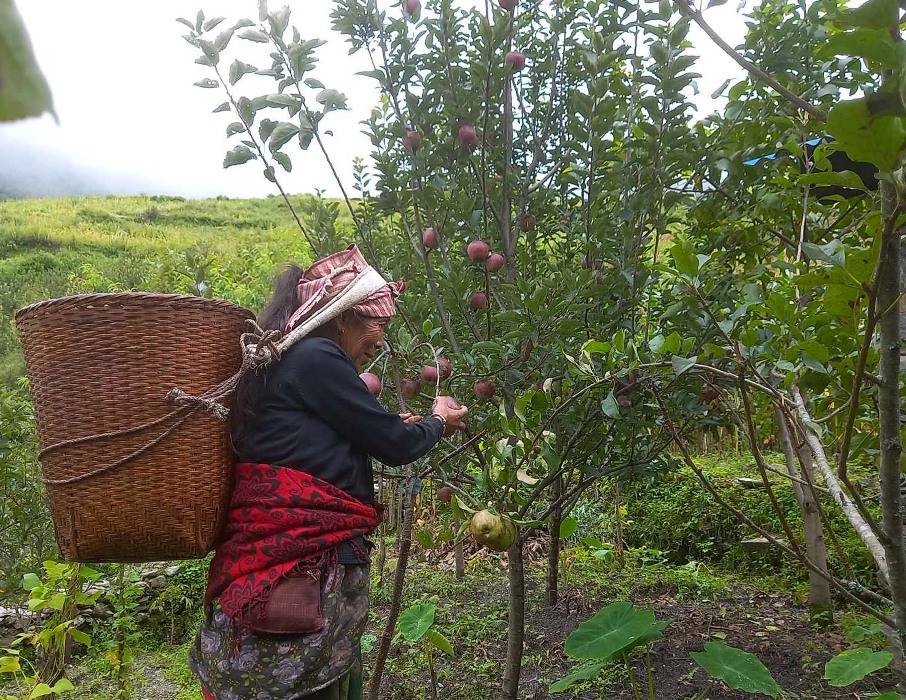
point(416, 620)
point(238, 69)
point(609, 406)
point(281, 134)
point(40, 691)
point(207, 83)
point(878, 141)
point(255, 35)
point(681, 364)
point(858, 633)
point(64, 685)
point(684, 258)
point(854, 664)
point(874, 45)
point(284, 160)
point(845, 178)
point(737, 668)
point(80, 637)
point(238, 156)
point(568, 527)
point(57, 601)
point(10, 664)
point(440, 641)
point(874, 14)
point(583, 674)
point(332, 100)
point(23, 89)
point(830, 252)
point(30, 581)
point(891, 695)
point(425, 538)
point(610, 630)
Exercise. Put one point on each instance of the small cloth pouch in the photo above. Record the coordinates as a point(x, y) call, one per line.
point(293, 606)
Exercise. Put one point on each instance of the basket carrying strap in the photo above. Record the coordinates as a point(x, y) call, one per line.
point(259, 347)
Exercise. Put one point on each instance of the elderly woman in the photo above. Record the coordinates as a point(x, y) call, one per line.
point(287, 597)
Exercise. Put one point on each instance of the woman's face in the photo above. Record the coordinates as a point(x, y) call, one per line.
point(362, 339)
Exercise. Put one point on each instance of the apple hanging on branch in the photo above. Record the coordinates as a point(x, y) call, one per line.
point(410, 388)
point(430, 239)
point(478, 251)
point(495, 262)
point(528, 222)
point(509, 5)
point(412, 141)
point(484, 390)
point(445, 494)
point(515, 60)
point(468, 137)
point(478, 301)
point(496, 532)
point(372, 381)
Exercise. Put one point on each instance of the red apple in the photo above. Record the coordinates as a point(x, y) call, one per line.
point(412, 141)
point(445, 494)
point(484, 390)
point(527, 223)
point(709, 394)
point(430, 238)
point(413, 6)
point(495, 262)
point(478, 300)
point(623, 401)
point(468, 137)
point(478, 251)
point(509, 4)
point(445, 367)
point(372, 381)
point(409, 388)
point(515, 60)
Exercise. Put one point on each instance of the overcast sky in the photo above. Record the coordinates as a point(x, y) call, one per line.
point(132, 122)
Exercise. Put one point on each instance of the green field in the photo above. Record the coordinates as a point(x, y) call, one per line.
point(217, 247)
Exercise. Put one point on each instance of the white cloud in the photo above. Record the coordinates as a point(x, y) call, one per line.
point(131, 121)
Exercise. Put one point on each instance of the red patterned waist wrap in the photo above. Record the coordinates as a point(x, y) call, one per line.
point(280, 520)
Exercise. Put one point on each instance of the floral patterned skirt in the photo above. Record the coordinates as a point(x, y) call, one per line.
point(286, 666)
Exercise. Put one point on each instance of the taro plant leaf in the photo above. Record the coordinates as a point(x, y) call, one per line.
point(238, 156)
point(652, 634)
point(737, 668)
point(440, 641)
point(568, 527)
point(610, 630)
point(23, 89)
point(582, 674)
point(415, 621)
point(892, 695)
point(854, 664)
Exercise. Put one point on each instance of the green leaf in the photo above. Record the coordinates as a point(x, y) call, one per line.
point(284, 161)
point(57, 601)
point(235, 128)
point(681, 364)
point(858, 633)
point(737, 668)
point(332, 100)
point(610, 630)
point(24, 91)
point(207, 83)
point(831, 252)
point(10, 664)
point(279, 21)
point(368, 641)
point(874, 45)
point(416, 620)
point(238, 69)
point(583, 674)
point(30, 581)
point(255, 35)
point(891, 695)
point(684, 258)
point(64, 685)
point(568, 527)
point(40, 691)
point(844, 178)
point(213, 22)
point(183, 20)
point(238, 156)
point(281, 134)
point(424, 538)
point(874, 14)
point(440, 641)
point(609, 406)
point(223, 107)
point(80, 637)
point(875, 140)
point(854, 664)
point(720, 91)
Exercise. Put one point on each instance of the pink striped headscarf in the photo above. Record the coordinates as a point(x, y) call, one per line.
point(329, 276)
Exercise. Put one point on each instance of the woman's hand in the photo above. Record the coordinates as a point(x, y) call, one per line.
point(410, 418)
point(454, 414)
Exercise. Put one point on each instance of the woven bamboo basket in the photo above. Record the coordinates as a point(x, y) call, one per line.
point(105, 363)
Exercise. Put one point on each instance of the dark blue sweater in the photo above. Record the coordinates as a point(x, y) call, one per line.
point(314, 413)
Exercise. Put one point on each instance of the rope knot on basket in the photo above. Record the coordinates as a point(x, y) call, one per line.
point(180, 398)
point(259, 347)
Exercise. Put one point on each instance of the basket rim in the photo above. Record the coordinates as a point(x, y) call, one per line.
point(114, 297)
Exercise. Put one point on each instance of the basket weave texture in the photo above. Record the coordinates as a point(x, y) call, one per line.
point(102, 363)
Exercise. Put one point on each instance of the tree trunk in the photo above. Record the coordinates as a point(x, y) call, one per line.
point(819, 590)
point(551, 593)
point(516, 626)
point(891, 447)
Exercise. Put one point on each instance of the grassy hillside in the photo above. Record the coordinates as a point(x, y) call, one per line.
point(216, 247)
